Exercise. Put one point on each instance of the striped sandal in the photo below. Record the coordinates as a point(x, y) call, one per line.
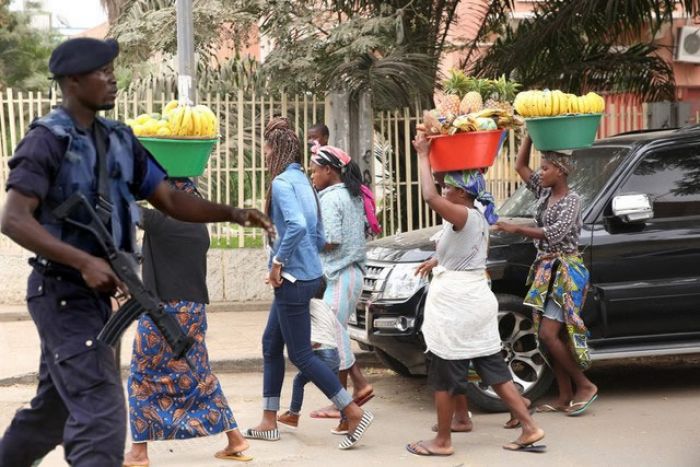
point(267, 435)
point(351, 439)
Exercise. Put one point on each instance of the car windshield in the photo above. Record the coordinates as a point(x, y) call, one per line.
point(593, 168)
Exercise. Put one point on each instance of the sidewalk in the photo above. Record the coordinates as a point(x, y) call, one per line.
point(234, 341)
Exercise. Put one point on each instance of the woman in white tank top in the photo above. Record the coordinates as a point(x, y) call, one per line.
point(460, 323)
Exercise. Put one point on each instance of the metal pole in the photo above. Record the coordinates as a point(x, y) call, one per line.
point(186, 67)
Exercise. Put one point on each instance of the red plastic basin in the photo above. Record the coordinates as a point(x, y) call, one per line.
point(468, 150)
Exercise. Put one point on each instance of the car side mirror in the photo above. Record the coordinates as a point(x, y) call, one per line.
point(632, 208)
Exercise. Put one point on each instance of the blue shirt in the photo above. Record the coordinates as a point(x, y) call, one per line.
point(344, 224)
point(300, 235)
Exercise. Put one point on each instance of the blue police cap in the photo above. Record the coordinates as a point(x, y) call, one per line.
point(82, 55)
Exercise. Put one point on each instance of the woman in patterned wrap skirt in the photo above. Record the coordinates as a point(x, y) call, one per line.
point(168, 399)
point(558, 279)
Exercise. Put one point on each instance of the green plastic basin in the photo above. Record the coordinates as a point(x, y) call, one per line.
point(180, 157)
point(563, 131)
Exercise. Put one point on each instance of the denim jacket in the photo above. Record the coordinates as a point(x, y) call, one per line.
point(295, 214)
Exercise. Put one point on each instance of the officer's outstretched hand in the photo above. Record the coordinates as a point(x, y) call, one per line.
point(99, 275)
point(253, 218)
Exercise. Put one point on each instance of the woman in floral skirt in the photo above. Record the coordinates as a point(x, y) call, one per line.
point(168, 399)
point(558, 278)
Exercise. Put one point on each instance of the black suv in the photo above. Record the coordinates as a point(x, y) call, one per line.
point(640, 241)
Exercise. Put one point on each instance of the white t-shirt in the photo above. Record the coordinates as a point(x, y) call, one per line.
point(460, 319)
point(324, 324)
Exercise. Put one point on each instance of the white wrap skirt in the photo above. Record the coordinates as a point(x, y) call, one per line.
point(461, 315)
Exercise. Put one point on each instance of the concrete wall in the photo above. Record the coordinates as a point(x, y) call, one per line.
point(238, 275)
point(235, 275)
point(13, 275)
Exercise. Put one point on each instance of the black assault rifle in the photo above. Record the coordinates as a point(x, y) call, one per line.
point(124, 266)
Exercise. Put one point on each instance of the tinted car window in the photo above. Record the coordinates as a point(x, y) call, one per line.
point(672, 179)
point(594, 166)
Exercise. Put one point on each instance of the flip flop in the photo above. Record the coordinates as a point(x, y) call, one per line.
point(548, 408)
point(351, 439)
point(233, 456)
point(360, 401)
point(531, 447)
point(267, 435)
point(512, 424)
point(426, 451)
point(577, 408)
point(324, 413)
point(137, 464)
point(526, 447)
point(335, 413)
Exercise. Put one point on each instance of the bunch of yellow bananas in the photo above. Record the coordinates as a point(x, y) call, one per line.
point(150, 125)
point(177, 120)
point(193, 121)
point(552, 103)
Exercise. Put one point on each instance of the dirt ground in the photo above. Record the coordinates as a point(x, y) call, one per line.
point(646, 415)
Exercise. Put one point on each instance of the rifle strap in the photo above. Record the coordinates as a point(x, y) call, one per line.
point(104, 204)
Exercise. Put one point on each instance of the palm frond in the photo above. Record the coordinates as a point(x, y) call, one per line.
point(393, 81)
point(576, 46)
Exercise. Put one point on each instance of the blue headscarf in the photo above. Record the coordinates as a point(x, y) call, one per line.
point(472, 181)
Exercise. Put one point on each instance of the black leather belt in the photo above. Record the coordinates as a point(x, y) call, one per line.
point(52, 269)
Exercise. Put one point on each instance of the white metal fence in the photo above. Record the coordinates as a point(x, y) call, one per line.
point(236, 175)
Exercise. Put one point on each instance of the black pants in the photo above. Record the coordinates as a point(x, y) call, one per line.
point(79, 402)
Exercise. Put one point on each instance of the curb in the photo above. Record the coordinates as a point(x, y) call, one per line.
point(14, 316)
point(216, 307)
point(244, 365)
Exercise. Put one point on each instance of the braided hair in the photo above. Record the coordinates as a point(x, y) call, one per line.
point(286, 149)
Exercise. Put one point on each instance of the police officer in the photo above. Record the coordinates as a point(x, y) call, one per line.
point(79, 400)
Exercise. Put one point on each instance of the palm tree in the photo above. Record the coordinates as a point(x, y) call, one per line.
point(113, 9)
point(581, 45)
point(390, 49)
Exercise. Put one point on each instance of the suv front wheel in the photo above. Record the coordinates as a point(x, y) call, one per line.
point(531, 374)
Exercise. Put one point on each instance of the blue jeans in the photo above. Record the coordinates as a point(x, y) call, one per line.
point(331, 359)
point(289, 324)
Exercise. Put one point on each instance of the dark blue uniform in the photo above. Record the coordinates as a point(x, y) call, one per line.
point(79, 401)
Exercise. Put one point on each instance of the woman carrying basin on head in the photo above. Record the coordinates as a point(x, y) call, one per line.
point(558, 278)
point(460, 324)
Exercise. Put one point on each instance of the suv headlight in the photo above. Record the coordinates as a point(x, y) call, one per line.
point(402, 282)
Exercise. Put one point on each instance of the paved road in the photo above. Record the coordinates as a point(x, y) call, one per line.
point(647, 415)
point(233, 338)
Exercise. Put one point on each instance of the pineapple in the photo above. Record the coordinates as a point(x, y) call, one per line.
point(456, 83)
point(472, 102)
point(494, 103)
point(502, 95)
point(447, 104)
